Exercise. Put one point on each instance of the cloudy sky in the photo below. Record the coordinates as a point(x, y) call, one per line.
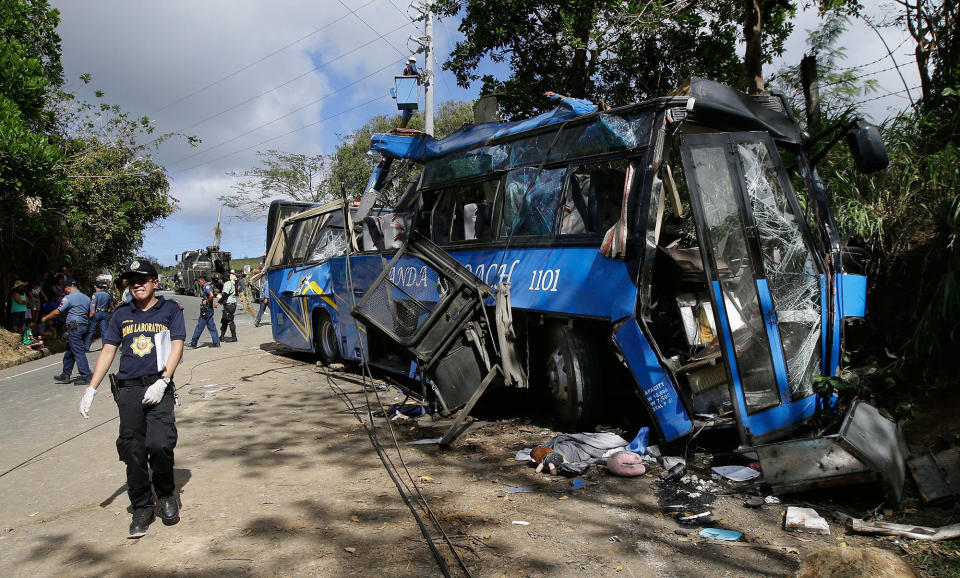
point(292, 75)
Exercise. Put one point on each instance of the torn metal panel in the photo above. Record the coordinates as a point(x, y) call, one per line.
point(868, 447)
point(442, 321)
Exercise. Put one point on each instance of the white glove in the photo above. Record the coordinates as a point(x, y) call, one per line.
point(154, 393)
point(86, 401)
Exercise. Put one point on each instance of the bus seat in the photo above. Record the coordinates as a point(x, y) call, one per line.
point(400, 227)
point(470, 221)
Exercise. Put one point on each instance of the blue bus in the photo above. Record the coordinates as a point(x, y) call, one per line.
point(682, 249)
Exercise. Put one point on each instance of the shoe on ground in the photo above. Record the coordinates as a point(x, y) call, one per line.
point(191, 346)
point(141, 521)
point(255, 324)
point(169, 510)
point(80, 380)
point(62, 378)
point(214, 345)
point(228, 340)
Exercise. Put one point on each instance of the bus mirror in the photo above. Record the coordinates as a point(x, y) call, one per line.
point(869, 152)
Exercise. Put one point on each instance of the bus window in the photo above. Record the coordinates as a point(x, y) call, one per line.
point(591, 202)
point(530, 202)
point(465, 213)
point(307, 229)
point(329, 241)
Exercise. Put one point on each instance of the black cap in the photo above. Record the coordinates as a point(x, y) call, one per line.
point(139, 266)
point(70, 283)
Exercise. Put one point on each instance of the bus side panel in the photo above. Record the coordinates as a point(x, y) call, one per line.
point(293, 296)
point(567, 281)
point(658, 391)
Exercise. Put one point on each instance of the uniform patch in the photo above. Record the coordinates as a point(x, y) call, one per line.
point(142, 345)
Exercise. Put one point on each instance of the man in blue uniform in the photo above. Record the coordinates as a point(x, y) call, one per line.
point(208, 297)
point(100, 305)
point(149, 332)
point(76, 307)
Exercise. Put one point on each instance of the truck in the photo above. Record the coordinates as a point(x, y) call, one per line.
point(210, 262)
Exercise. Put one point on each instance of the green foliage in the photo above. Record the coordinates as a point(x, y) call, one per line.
point(608, 52)
point(77, 183)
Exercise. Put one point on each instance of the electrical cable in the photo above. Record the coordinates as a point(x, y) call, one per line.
point(90, 429)
point(285, 83)
point(360, 18)
point(288, 133)
point(254, 63)
point(375, 441)
point(268, 123)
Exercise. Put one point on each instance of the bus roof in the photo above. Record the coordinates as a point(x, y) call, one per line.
point(713, 104)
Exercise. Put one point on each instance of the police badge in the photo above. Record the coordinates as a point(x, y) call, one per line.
point(142, 345)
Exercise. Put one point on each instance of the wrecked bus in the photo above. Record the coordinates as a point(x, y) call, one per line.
point(683, 245)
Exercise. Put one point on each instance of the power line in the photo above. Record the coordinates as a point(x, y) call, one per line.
point(281, 85)
point(255, 62)
point(877, 60)
point(351, 109)
point(360, 18)
point(296, 110)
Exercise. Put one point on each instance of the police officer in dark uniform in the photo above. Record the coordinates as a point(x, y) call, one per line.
point(100, 305)
point(208, 300)
point(149, 332)
point(76, 307)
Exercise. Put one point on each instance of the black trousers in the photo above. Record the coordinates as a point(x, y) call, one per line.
point(226, 318)
point(148, 434)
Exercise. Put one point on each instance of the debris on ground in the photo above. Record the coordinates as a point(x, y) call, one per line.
point(937, 470)
point(736, 473)
point(905, 530)
point(805, 520)
point(720, 534)
point(627, 464)
point(578, 451)
point(640, 442)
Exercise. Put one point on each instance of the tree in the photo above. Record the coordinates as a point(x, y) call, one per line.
point(350, 165)
point(839, 87)
point(77, 183)
point(294, 176)
point(935, 27)
point(609, 52)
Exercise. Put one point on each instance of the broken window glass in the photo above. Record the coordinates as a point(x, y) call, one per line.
point(736, 272)
point(331, 242)
point(531, 198)
point(789, 266)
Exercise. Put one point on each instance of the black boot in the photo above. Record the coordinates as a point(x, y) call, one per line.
point(141, 521)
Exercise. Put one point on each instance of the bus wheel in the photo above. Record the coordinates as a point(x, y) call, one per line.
point(572, 374)
point(325, 339)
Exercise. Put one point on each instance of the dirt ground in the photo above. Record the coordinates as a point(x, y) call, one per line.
point(278, 476)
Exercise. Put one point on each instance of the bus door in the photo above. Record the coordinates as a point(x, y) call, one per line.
point(766, 282)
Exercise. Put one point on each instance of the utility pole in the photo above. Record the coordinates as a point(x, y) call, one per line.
point(424, 11)
point(428, 73)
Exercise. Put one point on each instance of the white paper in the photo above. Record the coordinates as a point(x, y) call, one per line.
point(162, 341)
point(736, 473)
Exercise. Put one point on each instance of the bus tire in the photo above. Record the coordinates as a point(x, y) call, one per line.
point(325, 339)
point(572, 373)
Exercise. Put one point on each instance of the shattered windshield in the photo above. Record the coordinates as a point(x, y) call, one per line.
point(789, 266)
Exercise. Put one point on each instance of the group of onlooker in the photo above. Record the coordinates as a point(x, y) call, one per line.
point(31, 304)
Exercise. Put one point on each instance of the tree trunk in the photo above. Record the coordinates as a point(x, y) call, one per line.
point(753, 56)
point(810, 80)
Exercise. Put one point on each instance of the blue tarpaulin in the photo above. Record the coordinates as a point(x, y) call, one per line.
point(424, 147)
